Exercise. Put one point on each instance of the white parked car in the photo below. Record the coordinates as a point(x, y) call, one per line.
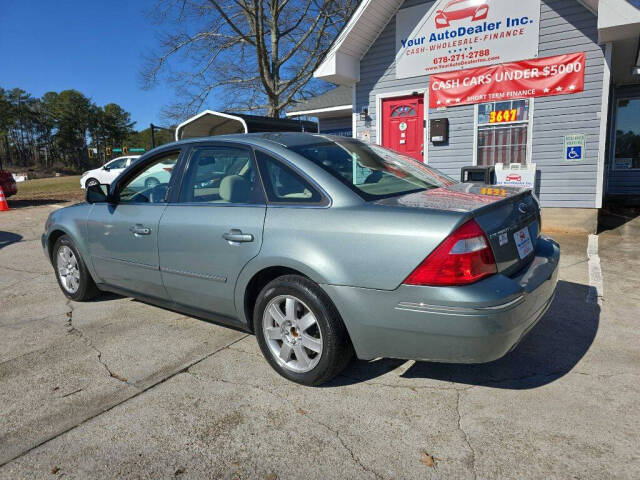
point(108, 172)
point(159, 174)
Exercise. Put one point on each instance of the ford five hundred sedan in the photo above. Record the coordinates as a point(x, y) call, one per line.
point(323, 247)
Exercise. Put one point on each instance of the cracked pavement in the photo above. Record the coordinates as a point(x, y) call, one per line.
point(115, 388)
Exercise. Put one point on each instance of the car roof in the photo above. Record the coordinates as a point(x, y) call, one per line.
point(266, 139)
point(124, 156)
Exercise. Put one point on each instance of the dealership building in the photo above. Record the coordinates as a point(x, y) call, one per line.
point(548, 90)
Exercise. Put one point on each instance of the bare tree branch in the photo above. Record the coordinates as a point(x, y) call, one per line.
point(252, 55)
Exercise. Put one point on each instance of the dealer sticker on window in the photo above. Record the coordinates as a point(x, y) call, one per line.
point(523, 242)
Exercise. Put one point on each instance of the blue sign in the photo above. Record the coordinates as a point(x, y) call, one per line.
point(574, 153)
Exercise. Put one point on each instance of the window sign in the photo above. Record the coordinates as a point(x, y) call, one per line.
point(516, 175)
point(574, 147)
point(459, 34)
point(503, 116)
point(503, 112)
point(623, 163)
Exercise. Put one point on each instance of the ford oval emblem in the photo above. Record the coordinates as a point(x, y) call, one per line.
point(523, 208)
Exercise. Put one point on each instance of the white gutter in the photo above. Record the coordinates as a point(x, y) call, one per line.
point(320, 110)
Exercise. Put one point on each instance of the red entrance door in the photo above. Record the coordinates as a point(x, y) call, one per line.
point(402, 125)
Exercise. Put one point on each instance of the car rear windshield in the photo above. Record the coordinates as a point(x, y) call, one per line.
point(373, 172)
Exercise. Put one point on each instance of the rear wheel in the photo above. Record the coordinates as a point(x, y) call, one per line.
point(71, 272)
point(300, 332)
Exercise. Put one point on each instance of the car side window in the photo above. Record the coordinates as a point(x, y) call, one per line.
point(151, 185)
point(121, 163)
point(283, 184)
point(221, 175)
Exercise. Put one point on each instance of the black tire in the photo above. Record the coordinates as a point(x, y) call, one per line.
point(86, 289)
point(151, 182)
point(337, 350)
point(91, 181)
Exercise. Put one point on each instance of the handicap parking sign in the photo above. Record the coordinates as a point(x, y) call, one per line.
point(574, 147)
point(574, 153)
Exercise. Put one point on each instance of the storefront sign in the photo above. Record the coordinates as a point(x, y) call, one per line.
point(541, 77)
point(574, 147)
point(461, 34)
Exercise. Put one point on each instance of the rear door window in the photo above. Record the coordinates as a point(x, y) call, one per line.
point(283, 184)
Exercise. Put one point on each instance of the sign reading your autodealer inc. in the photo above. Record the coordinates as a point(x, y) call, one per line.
point(459, 34)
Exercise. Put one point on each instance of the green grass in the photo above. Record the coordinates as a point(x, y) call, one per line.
point(55, 188)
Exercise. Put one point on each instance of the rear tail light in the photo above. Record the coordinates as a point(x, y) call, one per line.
point(464, 257)
point(167, 169)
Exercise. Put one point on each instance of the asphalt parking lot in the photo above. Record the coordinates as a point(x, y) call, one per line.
point(118, 388)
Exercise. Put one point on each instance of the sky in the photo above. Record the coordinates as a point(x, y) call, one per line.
point(93, 46)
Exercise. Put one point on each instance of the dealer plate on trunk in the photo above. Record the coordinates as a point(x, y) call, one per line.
point(523, 242)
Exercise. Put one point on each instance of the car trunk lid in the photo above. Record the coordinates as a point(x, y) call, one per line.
point(510, 217)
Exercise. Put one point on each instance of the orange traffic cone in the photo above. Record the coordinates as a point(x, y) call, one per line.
point(4, 206)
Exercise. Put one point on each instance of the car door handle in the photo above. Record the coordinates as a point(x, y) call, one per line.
point(139, 230)
point(236, 236)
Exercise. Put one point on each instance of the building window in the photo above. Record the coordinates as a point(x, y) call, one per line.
point(627, 152)
point(503, 132)
point(404, 111)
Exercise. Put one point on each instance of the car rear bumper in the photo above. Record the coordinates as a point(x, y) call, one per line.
point(472, 324)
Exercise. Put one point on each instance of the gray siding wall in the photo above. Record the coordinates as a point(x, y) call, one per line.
point(335, 123)
point(565, 27)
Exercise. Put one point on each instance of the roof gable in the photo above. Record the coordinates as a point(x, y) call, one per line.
point(342, 63)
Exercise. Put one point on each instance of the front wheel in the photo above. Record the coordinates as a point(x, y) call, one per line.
point(71, 272)
point(300, 332)
point(91, 182)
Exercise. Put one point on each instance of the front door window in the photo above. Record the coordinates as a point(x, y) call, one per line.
point(151, 185)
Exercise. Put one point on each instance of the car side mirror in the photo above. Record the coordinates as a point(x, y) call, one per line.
point(96, 194)
point(105, 168)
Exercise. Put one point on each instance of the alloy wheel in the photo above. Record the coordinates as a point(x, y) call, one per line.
point(68, 269)
point(292, 333)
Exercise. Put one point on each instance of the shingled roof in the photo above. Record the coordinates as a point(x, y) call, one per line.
point(338, 97)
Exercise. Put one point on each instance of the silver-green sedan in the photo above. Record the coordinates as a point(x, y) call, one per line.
point(322, 246)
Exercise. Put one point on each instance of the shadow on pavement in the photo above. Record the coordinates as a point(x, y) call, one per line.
point(7, 238)
point(35, 202)
point(613, 216)
point(551, 350)
point(105, 297)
